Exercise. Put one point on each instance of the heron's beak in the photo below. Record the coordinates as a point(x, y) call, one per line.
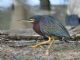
point(28, 20)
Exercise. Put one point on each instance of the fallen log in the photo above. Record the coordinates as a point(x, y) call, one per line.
point(15, 37)
point(24, 37)
point(7, 36)
point(22, 40)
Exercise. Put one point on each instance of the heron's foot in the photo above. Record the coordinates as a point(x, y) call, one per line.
point(37, 46)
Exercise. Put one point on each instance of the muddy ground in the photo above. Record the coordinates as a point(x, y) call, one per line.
point(21, 50)
point(61, 51)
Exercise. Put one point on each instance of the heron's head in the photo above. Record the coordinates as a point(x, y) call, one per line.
point(35, 18)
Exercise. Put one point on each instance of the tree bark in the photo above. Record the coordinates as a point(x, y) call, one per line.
point(19, 13)
point(45, 4)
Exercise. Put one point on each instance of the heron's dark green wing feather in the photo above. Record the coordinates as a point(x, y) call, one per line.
point(52, 26)
point(62, 26)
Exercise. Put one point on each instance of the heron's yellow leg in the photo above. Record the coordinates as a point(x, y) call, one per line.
point(50, 46)
point(41, 43)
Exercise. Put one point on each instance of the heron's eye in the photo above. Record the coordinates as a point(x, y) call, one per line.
point(32, 19)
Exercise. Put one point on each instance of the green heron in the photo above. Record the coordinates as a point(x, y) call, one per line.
point(48, 26)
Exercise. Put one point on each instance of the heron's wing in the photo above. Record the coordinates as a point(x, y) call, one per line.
point(52, 26)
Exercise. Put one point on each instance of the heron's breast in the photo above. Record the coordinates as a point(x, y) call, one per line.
point(36, 28)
